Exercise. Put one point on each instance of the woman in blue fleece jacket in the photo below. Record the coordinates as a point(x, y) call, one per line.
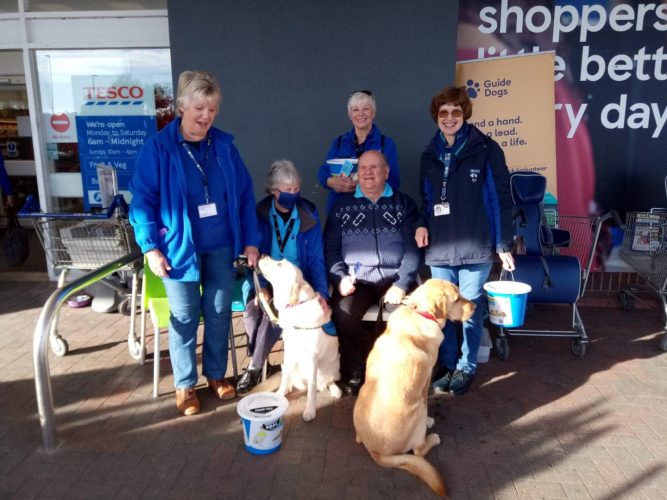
point(466, 222)
point(365, 136)
point(291, 230)
point(193, 212)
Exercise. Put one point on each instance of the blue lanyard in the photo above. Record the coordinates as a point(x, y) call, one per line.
point(199, 167)
point(446, 161)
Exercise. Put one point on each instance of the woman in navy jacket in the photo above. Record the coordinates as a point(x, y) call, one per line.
point(193, 212)
point(290, 229)
point(466, 222)
point(365, 136)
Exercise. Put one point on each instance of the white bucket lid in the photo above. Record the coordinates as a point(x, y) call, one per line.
point(262, 406)
point(342, 161)
point(507, 287)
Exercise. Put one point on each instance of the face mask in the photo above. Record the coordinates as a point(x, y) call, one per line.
point(288, 200)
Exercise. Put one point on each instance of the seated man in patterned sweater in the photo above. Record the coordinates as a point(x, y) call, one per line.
point(370, 252)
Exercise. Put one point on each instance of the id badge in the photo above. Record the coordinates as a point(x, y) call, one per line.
point(207, 210)
point(441, 209)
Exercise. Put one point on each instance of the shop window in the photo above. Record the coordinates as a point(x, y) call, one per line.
point(7, 6)
point(90, 5)
point(98, 106)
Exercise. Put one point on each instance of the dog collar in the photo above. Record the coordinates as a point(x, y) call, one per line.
point(427, 315)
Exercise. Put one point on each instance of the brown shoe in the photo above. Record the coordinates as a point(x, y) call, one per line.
point(222, 388)
point(187, 401)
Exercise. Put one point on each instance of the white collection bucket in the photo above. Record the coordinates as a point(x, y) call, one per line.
point(262, 419)
point(507, 302)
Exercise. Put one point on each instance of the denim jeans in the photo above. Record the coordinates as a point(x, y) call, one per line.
point(210, 298)
point(470, 279)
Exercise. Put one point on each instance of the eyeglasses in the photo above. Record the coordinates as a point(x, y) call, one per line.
point(367, 92)
point(455, 113)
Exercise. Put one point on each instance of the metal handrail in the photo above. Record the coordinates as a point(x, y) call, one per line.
point(39, 357)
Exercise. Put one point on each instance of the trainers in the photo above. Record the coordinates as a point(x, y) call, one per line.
point(249, 380)
point(222, 389)
point(442, 380)
point(187, 401)
point(461, 382)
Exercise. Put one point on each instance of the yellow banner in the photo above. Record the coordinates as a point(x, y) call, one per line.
point(513, 103)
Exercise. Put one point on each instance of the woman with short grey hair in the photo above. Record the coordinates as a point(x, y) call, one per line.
point(364, 136)
point(290, 229)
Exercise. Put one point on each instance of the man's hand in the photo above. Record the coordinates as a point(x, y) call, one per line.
point(346, 286)
point(394, 295)
point(421, 237)
point(341, 184)
point(507, 260)
point(158, 263)
point(252, 254)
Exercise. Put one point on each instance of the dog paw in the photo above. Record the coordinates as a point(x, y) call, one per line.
point(434, 439)
point(429, 422)
point(308, 415)
point(335, 391)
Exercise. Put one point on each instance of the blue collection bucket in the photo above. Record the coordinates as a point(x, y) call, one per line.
point(507, 302)
point(262, 419)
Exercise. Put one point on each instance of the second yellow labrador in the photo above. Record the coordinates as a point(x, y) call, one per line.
point(390, 414)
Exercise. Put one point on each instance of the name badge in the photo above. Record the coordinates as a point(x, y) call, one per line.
point(441, 209)
point(207, 210)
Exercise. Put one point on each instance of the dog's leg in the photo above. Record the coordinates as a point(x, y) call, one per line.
point(311, 397)
point(429, 422)
point(430, 441)
point(334, 390)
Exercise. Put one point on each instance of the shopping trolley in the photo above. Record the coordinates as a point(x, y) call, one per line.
point(644, 247)
point(87, 241)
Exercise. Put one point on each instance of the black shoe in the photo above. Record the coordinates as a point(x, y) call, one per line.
point(461, 382)
point(249, 380)
point(442, 380)
point(352, 386)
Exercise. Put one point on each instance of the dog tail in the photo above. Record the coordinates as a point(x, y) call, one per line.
point(416, 465)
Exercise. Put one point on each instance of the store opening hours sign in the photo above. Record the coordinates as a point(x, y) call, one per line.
point(116, 114)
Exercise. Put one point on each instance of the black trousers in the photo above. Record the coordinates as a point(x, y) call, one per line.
point(356, 337)
point(262, 334)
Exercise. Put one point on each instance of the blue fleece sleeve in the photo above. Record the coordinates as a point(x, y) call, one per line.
point(145, 207)
point(392, 157)
point(324, 173)
point(499, 194)
point(426, 195)
point(5, 185)
point(317, 271)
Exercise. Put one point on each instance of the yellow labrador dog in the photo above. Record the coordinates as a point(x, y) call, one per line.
point(310, 358)
point(390, 414)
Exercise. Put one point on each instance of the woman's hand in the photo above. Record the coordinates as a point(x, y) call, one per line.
point(346, 286)
point(158, 263)
point(421, 237)
point(507, 260)
point(252, 253)
point(341, 184)
point(394, 295)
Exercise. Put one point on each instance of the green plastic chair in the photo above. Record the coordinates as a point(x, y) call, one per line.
point(154, 301)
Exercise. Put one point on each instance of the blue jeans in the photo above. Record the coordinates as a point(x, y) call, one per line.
point(470, 279)
point(188, 300)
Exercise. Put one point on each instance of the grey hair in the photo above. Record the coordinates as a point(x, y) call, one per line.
point(281, 172)
point(358, 98)
point(196, 84)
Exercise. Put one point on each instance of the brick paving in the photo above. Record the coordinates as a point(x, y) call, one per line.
point(543, 424)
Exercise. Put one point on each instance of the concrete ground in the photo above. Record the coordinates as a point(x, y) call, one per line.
point(543, 424)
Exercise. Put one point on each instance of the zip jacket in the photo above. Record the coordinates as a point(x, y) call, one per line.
point(479, 224)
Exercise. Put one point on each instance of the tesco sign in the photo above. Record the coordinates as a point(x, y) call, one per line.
point(124, 92)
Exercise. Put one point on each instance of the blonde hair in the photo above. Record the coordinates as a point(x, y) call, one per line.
point(196, 84)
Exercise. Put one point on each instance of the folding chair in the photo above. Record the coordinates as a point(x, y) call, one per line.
point(154, 300)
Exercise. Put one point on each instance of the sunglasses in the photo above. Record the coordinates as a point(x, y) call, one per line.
point(455, 113)
point(367, 92)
